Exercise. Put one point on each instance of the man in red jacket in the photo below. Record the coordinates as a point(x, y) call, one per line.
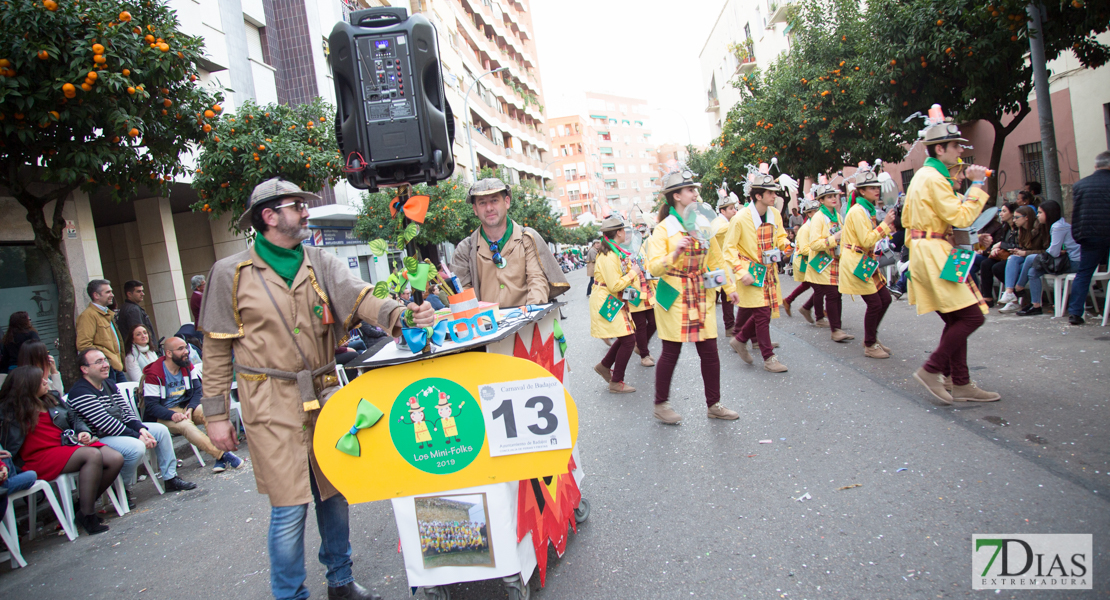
point(172, 392)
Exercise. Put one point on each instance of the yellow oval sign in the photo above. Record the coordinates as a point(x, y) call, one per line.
point(431, 436)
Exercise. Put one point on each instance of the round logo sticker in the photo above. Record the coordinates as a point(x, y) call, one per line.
point(437, 426)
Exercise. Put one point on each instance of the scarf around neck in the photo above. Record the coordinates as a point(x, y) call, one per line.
point(942, 169)
point(870, 208)
point(834, 217)
point(284, 261)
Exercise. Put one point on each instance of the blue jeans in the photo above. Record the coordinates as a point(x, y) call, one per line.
point(133, 451)
point(1035, 282)
point(286, 545)
point(1092, 255)
point(975, 271)
point(1017, 270)
point(17, 483)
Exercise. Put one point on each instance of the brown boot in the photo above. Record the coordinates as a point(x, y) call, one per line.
point(604, 371)
point(934, 382)
point(875, 351)
point(838, 335)
point(666, 414)
point(647, 361)
point(807, 313)
point(773, 365)
point(719, 412)
point(880, 344)
point(786, 307)
point(972, 393)
point(740, 348)
point(755, 345)
point(822, 322)
point(620, 387)
point(948, 385)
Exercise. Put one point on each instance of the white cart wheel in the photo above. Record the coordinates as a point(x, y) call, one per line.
point(437, 592)
point(517, 588)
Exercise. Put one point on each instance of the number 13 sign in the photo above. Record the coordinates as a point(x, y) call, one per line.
point(524, 416)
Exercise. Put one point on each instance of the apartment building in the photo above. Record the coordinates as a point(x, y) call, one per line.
point(747, 35)
point(626, 151)
point(577, 182)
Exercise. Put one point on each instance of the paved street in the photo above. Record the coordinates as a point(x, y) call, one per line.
point(704, 510)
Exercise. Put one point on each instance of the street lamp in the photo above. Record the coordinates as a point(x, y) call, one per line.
point(470, 124)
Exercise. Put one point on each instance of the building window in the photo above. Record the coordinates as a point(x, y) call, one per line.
point(623, 185)
point(1032, 162)
point(907, 175)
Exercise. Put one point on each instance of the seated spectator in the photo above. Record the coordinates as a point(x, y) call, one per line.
point(36, 355)
point(138, 352)
point(1034, 189)
point(50, 439)
point(433, 297)
point(11, 478)
point(171, 394)
point(19, 331)
point(1026, 198)
point(99, 402)
point(1032, 240)
point(1060, 242)
point(194, 338)
point(996, 250)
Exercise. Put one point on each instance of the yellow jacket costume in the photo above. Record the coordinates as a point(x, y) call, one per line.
point(860, 232)
point(801, 250)
point(742, 249)
point(608, 280)
point(932, 206)
point(674, 324)
point(820, 240)
point(647, 287)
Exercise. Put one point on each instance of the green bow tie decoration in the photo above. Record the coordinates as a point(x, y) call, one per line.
point(557, 330)
point(365, 417)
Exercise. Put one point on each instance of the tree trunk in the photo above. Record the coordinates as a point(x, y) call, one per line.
point(48, 239)
point(1000, 134)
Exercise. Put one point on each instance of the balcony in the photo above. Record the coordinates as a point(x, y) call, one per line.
point(713, 106)
point(746, 66)
point(780, 12)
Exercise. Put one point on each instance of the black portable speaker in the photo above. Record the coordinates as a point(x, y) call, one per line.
point(393, 123)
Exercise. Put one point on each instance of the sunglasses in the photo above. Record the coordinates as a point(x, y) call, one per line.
point(495, 249)
point(465, 329)
point(298, 206)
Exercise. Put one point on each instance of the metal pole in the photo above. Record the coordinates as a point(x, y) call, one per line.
point(1044, 106)
point(470, 124)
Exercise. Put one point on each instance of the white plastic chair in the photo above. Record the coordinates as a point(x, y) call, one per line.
point(10, 533)
point(129, 391)
point(1060, 286)
point(1101, 274)
point(67, 483)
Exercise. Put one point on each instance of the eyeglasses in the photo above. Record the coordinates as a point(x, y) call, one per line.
point(481, 324)
point(298, 206)
point(495, 249)
point(953, 129)
point(102, 361)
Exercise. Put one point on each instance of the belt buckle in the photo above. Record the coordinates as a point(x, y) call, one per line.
point(331, 379)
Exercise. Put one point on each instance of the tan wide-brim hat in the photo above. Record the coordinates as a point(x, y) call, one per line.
point(942, 133)
point(824, 189)
point(612, 223)
point(485, 187)
point(866, 178)
point(727, 201)
point(271, 189)
point(678, 179)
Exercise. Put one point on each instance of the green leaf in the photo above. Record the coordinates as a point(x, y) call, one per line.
point(379, 247)
point(381, 290)
point(411, 232)
point(411, 263)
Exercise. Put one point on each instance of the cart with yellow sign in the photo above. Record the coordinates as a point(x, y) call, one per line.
point(474, 444)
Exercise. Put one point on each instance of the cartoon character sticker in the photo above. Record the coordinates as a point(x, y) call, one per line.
point(447, 416)
point(419, 424)
point(434, 407)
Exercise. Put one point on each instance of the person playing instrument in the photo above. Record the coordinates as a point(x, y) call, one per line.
point(614, 273)
point(932, 207)
point(859, 267)
point(823, 271)
point(684, 309)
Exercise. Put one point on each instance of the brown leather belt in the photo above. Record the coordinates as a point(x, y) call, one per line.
point(918, 234)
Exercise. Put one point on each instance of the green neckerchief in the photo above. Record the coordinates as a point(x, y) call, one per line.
point(942, 169)
point(504, 239)
point(870, 208)
point(674, 213)
point(830, 214)
point(620, 251)
point(284, 261)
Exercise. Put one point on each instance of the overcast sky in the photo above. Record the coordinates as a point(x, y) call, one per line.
point(644, 49)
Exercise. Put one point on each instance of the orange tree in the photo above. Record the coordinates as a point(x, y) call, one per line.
point(815, 108)
point(100, 96)
point(296, 143)
point(970, 57)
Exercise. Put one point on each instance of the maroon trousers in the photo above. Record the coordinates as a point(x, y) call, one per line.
point(831, 296)
point(617, 356)
point(757, 327)
point(645, 328)
point(727, 309)
point(950, 357)
point(877, 304)
point(710, 370)
point(798, 291)
point(818, 308)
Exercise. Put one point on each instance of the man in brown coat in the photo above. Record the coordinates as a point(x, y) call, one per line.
point(502, 261)
point(591, 261)
point(282, 308)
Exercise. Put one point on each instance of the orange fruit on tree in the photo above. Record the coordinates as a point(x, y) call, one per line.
point(167, 103)
point(209, 114)
point(131, 90)
point(92, 75)
point(164, 47)
point(133, 133)
point(99, 59)
point(165, 112)
point(136, 30)
point(165, 91)
point(115, 139)
point(86, 87)
point(43, 55)
point(217, 107)
point(68, 88)
point(125, 16)
point(127, 72)
point(261, 147)
point(98, 49)
point(50, 5)
point(148, 38)
point(207, 128)
point(940, 22)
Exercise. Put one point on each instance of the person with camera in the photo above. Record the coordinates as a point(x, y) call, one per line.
point(823, 271)
point(754, 247)
point(616, 278)
point(48, 438)
point(727, 206)
point(800, 263)
point(1061, 257)
point(503, 261)
point(684, 308)
point(862, 231)
point(932, 208)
